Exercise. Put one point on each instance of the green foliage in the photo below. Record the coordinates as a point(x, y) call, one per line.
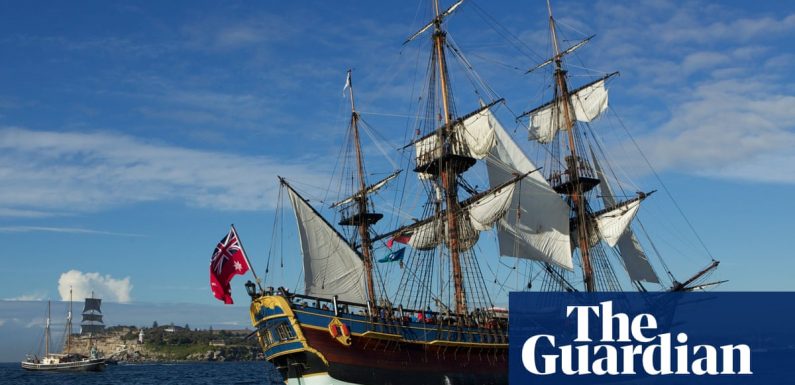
point(183, 342)
point(178, 352)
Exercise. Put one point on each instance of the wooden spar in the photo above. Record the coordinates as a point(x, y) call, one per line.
point(368, 190)
point(566, 52)
point(452, 124)
point(448, 174)
point(683, 286)
point(640, 197)
point(364, 232)
point(245, 255)
point(578, 89)
point(577, 193)
point(464, 204)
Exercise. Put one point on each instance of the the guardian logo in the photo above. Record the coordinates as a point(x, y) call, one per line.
point(628, 347)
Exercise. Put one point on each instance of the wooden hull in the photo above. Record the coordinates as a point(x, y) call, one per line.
point(378, 361)
point(376, 353)
point(95, 365)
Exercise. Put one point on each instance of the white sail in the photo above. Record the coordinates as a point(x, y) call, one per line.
point(426, 236)
point(588, 103)
point(613, 223)
point(487, 210)
point(474, 138)
point(536, 225)
point(636, 263)
point(478, 133)
point(477, 216)
point(331, 266)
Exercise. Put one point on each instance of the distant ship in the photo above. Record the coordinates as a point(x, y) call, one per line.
point(434, 321)
point(65, 361)
point(92, 317)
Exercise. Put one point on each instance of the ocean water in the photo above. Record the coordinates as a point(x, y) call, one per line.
point(210, 373)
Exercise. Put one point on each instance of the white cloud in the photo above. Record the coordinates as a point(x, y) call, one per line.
point(703, 60)
point(64, 172)
point(721, 79)
point(35, 296)
point(740, 129)
point(689, 25)
point(25, 213)
point(34, 322)
point(217, 33)
point(70, 230)
point(102, 286)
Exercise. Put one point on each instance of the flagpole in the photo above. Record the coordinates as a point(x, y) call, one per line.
point(245, 255)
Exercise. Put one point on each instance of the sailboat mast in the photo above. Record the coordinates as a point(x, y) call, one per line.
point(47, 332)
point(448, 174)
point(364, 232)
point(69, 323)
point(576, 193)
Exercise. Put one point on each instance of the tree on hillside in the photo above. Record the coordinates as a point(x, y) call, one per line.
point(154, 325)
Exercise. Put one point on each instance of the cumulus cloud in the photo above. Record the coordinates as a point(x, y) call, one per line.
point(103, 286)
point(62, 172)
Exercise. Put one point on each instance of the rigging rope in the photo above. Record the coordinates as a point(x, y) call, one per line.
point(664, 186)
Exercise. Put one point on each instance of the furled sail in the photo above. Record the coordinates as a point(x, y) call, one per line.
point(587, 103)
point(536, 224)
point(636, 263)
point(476, 216)
point(331, 266)
point(368, 190)
point(472, 137)
point(426, 236)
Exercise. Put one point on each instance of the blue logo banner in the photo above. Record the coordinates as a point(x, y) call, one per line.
point(652, 338)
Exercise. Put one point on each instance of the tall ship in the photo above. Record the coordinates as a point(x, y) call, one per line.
point(66, 360)
point(415, 301)
point(92, 317)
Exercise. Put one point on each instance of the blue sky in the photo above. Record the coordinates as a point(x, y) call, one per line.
point(133, 135)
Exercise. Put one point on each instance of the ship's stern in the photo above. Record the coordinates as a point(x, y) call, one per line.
point(282, 340)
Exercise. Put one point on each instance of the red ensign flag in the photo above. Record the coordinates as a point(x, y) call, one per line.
point(228, 260)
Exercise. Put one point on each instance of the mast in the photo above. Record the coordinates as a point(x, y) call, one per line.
point(361, 200)
point(576, 193)
point(69, 322)
point(449, 174)
point(47, 332)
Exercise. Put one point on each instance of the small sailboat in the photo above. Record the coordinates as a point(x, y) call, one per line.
point(66, 361)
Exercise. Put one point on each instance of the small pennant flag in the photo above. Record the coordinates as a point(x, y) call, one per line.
point(399, 238)
point(347, 83)
point(393, 256)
